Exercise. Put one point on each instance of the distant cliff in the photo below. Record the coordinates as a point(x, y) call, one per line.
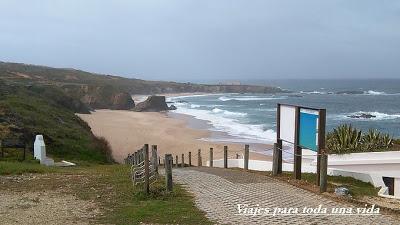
point(113, 92)
point(101, 96)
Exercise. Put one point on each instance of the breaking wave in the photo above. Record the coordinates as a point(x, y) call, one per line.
point(223, 120)
point(249, 98)
point(374, 116)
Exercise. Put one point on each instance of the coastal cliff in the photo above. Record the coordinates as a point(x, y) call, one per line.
point(43, 100)
point(99, 91)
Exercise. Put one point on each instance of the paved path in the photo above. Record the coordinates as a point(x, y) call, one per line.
point(218, 191)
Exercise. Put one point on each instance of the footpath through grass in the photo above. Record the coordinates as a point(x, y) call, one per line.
point(132, 206)
point(110, 187)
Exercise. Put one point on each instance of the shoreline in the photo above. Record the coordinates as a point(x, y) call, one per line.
point(127, 131)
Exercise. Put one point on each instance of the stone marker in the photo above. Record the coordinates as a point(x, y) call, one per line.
point(39, 151)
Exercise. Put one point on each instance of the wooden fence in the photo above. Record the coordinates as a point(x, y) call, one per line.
point(144, 169)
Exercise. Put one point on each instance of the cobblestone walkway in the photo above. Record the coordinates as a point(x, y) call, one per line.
point(218, 191)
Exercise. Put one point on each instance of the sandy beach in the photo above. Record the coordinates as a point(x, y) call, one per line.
point(127, 131)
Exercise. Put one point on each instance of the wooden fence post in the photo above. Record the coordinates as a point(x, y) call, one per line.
point(199, 162)
point(275, 160)
point(280, 149)
point(323, 172)
point(154, 157)
point(176, 161)
point(190, 159)
point(183, 161)
point(1, 148)
point(246, 157)
point(168, 171)
point(211, 157)
point(225, 156)
point(296, 148)
point(146, 168)
point(25, 149)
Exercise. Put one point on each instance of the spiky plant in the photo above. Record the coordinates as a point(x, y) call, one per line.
point(371, 140)
point(344, 139)
point(375, 140)
point(387, 141)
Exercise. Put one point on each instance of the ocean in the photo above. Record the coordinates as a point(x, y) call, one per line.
point(252, 117)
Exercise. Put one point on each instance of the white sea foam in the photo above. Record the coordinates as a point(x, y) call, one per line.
point(378, 116)
point(372, 92)
point(222, 121)
point(189, 96)
point(249, 98)
point(193, 106)
point(229, 113)
point(314, 92)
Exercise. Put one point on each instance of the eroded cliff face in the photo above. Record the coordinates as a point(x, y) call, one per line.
point(101, 97)
point(152, 104)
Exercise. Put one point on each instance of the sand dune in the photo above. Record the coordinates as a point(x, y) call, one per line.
point(127, 131)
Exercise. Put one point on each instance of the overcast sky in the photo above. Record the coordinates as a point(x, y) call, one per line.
point(206, 39)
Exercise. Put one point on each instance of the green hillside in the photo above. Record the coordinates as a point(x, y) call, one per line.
point(27, 110)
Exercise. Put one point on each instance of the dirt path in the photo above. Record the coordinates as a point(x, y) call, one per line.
point(44, 208)
point(219, 191)
point(46, 199)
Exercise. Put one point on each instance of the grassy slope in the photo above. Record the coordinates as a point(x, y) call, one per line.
point(28, 111)
point(110, 187)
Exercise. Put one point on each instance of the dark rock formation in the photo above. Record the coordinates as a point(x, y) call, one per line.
point(172, 107)
point(152, 104)
point(362, 116)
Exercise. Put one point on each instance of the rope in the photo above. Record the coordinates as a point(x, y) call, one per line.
point(283, 150)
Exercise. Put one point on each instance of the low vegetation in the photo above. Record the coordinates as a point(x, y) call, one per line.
point(110, 188)
point(348, 139)
point(356, 187)
point(18, 168)
point(28, 110)
point(159, 207)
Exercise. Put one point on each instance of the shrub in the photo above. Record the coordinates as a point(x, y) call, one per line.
point(347, 139)
point(344, 139)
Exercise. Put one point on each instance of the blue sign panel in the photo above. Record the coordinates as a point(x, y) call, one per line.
point(308, 130)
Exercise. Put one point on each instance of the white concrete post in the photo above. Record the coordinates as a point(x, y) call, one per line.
point(39, 148)
point(39, 151)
